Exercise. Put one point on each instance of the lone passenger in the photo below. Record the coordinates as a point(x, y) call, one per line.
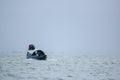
point(31, 50)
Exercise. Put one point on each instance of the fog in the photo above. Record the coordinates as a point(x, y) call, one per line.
point(60, 26)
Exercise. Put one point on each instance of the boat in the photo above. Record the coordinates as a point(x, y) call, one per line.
point(38, 54)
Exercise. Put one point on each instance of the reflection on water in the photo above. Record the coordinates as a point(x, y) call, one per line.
point(82, 67)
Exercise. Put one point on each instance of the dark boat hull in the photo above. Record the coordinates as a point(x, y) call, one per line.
point(44, 57)
point(41, 56)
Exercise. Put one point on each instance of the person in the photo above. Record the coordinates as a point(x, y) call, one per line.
point(31, 47)
point(31, 50)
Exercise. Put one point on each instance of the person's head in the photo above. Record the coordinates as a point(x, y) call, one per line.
point(31, 47)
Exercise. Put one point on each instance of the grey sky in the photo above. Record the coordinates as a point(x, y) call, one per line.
point(81, 26)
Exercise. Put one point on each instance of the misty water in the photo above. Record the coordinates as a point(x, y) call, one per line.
point(60, 67)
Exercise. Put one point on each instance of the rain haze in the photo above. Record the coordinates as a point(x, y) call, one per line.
point(67, 26)
point(80, 39)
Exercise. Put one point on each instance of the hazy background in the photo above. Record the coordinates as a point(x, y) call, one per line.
point(60, 26)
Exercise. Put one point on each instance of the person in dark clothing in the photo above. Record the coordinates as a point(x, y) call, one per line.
point(31, 50)
point(31, 47)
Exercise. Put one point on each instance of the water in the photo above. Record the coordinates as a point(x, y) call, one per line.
point(59, 67)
